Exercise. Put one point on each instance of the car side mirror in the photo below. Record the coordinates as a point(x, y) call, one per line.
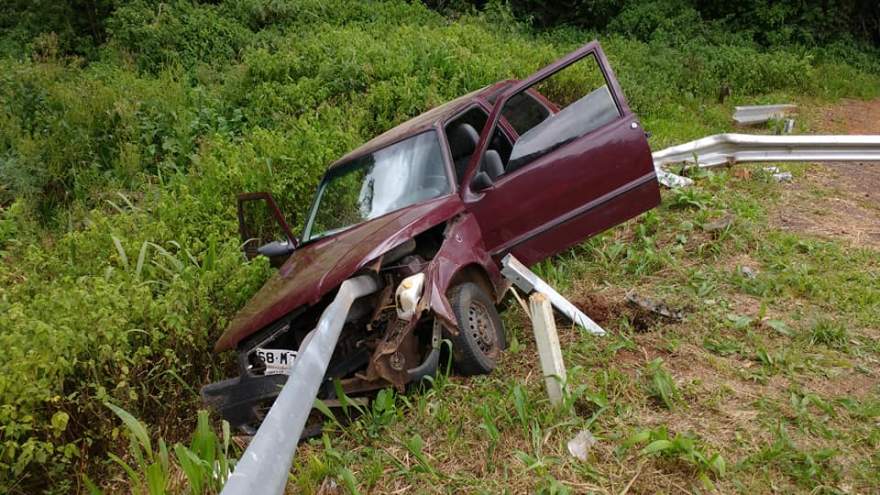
point(261, 224)
point(481, 181)
point(277, 251)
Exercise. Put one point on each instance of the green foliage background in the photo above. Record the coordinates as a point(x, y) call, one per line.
point(127, 128)
point(768, 23)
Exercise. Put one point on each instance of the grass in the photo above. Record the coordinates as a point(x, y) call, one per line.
point(770, 383)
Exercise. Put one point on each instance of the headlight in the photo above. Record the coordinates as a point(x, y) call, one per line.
point(408, 294)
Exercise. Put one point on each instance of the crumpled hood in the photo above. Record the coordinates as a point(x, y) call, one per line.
point(318, 268)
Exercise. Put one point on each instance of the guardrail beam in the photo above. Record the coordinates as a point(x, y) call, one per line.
point(266, 462)
point(722, 149)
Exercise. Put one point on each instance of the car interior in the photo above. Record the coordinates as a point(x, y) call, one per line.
point(463, 135)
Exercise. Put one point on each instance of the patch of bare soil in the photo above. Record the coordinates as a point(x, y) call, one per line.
point(603, 309)
point(846, 383)
point(837, 200)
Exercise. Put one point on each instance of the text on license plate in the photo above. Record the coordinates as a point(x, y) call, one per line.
point(277, 361)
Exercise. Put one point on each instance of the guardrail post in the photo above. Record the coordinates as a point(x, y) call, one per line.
point(547, 340)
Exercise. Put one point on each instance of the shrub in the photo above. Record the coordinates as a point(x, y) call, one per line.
point(179, 33)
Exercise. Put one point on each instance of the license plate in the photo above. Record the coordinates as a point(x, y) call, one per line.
point(277, 361)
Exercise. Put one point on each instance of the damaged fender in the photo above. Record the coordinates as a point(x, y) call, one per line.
point(462, 248)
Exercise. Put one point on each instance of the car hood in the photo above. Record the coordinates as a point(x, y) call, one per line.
point(319, 267)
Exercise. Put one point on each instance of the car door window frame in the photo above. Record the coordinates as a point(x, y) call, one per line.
point(495, 117)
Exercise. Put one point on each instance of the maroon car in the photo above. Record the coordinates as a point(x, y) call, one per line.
point(429, 208)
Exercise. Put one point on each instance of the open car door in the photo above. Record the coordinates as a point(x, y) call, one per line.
point(263, 229)
point(574, 170)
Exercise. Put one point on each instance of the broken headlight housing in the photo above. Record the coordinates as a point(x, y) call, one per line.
point(408, 295)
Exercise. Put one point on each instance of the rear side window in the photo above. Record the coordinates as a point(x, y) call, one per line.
point(523, 112)
point(584, 97)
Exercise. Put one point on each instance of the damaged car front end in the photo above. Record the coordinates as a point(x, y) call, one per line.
point(413, 238)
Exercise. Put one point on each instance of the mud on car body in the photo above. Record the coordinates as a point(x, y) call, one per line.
point(429, 208)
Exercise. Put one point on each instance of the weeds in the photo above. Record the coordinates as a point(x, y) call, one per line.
point(807, 467)
point(662, 386)
point(206, 462)
point(415, 446)
point(521, 405)
point(681, 447)
point(489, 425)
point(829, 333)
point(119, 259)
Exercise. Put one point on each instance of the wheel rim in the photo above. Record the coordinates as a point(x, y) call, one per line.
point(481, 328)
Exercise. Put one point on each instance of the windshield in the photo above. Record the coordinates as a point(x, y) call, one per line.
point(372, 185)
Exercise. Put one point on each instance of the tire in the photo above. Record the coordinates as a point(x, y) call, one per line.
point(481, 337)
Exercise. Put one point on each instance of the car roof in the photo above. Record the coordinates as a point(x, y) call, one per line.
point(423, 122)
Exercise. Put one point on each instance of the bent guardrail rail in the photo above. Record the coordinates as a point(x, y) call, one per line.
point(527, 281)
point(266, 462)
point(722, 149)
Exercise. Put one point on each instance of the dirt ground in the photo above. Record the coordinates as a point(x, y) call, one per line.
point(837, 200)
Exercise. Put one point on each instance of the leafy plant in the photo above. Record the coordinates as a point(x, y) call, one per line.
point(689, 197)
point(521, 405)
point(682, 447)
point(829, 333)
point(205, 462)
point(151, 473)
point(489, 425)
point(415, 446)
point(661, 384)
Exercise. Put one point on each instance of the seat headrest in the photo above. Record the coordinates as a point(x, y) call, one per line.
point(463, 140)
point(492, 164)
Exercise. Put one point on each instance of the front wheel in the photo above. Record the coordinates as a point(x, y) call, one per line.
point(481, 338)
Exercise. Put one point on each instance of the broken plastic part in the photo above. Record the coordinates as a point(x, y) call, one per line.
point(408, 294)
point(580, 445)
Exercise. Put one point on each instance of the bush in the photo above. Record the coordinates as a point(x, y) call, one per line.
point(177, 33)
point(769, 24)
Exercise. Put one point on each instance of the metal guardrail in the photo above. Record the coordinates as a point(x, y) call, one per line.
point(756, 114)
point(722, 149)
point(527, 281)
point(266, 462)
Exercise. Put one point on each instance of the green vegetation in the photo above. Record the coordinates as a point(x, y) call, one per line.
point(124, 139)
point(809, 23)
point(205, 463)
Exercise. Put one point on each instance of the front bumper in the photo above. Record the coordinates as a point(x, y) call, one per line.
point(239, 399)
